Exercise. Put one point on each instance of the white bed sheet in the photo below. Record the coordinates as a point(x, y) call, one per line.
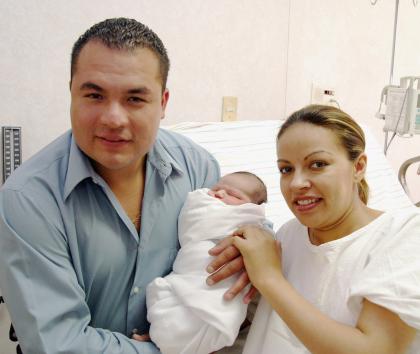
point(250, 146)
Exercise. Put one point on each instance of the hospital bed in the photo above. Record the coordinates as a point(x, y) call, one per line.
point(250, 146)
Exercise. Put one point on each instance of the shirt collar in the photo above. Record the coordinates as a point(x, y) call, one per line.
point(160, 159)
point(80, 168)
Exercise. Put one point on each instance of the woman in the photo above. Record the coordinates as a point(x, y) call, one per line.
point(342, 277)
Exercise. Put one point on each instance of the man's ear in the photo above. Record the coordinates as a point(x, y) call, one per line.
point(164, 102)
point(360, 165)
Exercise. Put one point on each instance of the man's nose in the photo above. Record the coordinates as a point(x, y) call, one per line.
point(114, 115)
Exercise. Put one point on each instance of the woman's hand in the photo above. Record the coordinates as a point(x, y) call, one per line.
point(261, 254)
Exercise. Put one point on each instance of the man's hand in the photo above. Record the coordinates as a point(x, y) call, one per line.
point(228, 261)
point(141, 337)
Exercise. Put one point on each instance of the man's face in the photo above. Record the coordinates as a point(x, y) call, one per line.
point(116, 105)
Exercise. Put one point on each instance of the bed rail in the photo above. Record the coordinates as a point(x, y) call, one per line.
point(402, 174)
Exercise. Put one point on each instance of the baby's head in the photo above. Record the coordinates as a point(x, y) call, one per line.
point(239, 188)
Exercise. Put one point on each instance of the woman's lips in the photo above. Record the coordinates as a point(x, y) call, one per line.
point(306, 204)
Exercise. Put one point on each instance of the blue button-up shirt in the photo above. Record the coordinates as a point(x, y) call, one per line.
point(73, 268)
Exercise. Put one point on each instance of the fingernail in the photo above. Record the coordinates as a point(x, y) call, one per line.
point(210, 269)
point(209, 281)
point(228, 296)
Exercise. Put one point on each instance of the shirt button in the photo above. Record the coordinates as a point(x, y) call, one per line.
point(136, 290)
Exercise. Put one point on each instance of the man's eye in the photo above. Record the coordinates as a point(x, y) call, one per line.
point(318, 165)
point(135, 99)
point(285, 169)
point(94, 96)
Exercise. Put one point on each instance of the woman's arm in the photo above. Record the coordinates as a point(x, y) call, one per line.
point(377, 330)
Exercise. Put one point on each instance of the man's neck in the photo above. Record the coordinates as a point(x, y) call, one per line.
point(124, 178)
point(128, 187)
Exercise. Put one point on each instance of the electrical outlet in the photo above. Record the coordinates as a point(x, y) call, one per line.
point(229, 108)
point(325, 95)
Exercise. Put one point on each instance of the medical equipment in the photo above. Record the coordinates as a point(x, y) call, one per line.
point(402, 106)
point(12, 150)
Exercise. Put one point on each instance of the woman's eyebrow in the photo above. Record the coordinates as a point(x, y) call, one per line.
point(317, 152)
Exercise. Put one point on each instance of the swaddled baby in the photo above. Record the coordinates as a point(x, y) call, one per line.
point(186, 315)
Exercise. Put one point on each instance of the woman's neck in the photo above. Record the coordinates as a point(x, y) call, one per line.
point(355, 218)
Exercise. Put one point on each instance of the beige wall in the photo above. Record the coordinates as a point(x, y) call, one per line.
point(217, 48)
point(268, 53)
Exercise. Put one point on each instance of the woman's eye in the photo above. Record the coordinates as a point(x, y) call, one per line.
point(318, 164)
point(285, 169)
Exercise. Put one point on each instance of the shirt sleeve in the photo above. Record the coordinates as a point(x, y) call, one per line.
point(391, 276)
point(210, 171)
point(40, 286)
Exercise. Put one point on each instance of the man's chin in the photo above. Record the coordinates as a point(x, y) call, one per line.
point(116, 165)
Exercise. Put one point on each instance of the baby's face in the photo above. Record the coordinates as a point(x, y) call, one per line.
point(231, 190)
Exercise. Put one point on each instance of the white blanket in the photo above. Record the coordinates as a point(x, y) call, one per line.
point(186, 315)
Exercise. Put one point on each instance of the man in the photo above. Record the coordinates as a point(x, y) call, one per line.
point(90, 220)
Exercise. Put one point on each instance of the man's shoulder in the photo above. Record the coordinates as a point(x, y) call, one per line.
point(198, 165)
point(47, 165)
point(175, 142)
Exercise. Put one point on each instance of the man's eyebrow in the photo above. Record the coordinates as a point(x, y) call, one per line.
point(139, 90)
point(91, 86)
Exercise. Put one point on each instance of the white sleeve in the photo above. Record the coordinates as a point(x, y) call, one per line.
point(391, 277)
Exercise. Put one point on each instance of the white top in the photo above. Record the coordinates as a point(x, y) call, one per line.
point(379, 262)
point(186, 315)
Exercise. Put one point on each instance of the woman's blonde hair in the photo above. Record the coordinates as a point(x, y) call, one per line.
point(348, 132)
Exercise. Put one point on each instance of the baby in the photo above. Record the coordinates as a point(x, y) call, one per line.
point(187, 316)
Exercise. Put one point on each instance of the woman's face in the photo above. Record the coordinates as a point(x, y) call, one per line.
point(318, 181)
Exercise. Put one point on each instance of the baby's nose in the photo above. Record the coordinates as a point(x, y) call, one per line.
point(221, 193)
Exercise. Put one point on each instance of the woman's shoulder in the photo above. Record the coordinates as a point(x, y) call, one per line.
point(290, 229)
point(401, 221)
